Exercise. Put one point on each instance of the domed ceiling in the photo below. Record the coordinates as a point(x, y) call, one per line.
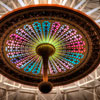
point(75, 37)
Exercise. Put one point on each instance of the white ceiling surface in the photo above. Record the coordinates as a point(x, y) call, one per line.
point(90, 7)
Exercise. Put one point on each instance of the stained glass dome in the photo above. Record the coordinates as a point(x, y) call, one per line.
point(75, 37)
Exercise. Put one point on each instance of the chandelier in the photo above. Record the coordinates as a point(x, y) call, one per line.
point(48, 45)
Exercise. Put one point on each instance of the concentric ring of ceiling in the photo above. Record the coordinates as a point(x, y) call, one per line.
point(74, 35)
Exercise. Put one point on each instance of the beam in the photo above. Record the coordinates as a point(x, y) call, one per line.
point(36, 1)
point(6, 6)
point(5, 10)
point(26, 2)
point(13, 3)
point(2, 13)
point(67, 88)
point(91, 93)
point(65, 96)
point(92, 11)
point(5, 83)
point(36, 97)
point(92, 78)
point(97, 21)
point(49, 1)
point(7, 95)
point(84, 5)
point(30, 2)
point(79, 4)
point(31, 89)
point(96, 75)
point(63, 2)
point(58, 94)
point(41, 96)
point(21, 3)
point(1, 77)
point(73, 2)
point(98, 17)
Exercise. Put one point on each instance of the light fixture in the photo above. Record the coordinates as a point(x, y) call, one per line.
point(48, 45)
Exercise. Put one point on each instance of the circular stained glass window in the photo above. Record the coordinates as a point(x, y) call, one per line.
point(73, 35)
